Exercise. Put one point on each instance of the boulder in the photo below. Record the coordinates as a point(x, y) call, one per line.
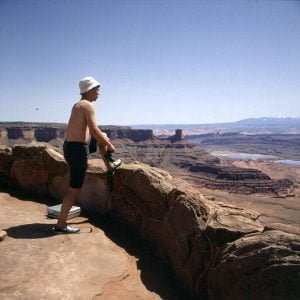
point(185, 228)
point(258, 266)
point(5, 163)
point(141, 189)
point(28, 170)
point(183, 236)
point(94, 196)
point(229, 222)
point(42, 171)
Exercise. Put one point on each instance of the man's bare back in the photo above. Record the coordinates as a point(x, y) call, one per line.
point(77, 130)
point(82, 122)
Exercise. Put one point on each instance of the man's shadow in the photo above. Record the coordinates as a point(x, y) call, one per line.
point(34, 231)
point(31, 231)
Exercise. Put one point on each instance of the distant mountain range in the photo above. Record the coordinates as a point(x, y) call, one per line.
point(266, 122)
point(274, 122)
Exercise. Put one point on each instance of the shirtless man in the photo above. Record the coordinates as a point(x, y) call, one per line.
point(81, 126)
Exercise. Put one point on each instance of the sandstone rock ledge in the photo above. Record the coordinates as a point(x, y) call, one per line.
point(218, 251)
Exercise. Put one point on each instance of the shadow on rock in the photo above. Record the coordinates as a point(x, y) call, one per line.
point(31, 231)
point(27, 196)
point(155, 273)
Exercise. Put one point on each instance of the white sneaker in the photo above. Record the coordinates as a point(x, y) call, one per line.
point(66, 229)
point(116, 164)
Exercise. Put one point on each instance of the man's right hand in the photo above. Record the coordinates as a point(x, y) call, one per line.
point(110, 147)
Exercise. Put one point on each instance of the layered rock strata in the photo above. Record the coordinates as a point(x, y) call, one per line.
point(240, 180)
point(173, 154)
point(48, 133)
point(182, 157)
point(136, 135)
point(219, 251)
point(177, 137)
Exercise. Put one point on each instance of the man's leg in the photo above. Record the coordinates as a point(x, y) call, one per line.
point(75, 154)
point(67, 203)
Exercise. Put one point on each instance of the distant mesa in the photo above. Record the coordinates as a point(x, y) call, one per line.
point(136, 135)
point(46, 134)
point(42, 133)
point(177, 137)
point(14, 133)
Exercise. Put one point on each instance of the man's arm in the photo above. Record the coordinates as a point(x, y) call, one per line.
point(95, 132)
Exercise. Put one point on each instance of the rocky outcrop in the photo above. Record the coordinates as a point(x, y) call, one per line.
point(46, 134)
point(219, 251)
point(197, 166)
point(42, 171)
point(177, 137)
point(5, 164)
point(42, 133)
point(163, 153)
point(174, 154)
point(241, 180)
point(258, 266)
point(14, 133)
point(136, 135)
point(29, 134)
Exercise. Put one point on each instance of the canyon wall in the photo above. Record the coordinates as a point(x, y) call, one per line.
point(173, 153)
point(136, 135)
point(48, 133)
point(239, 180)
point(217, 250)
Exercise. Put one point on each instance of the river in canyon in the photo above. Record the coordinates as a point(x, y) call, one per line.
point(243, 156)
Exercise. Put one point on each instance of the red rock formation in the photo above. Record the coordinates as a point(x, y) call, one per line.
point(241, 180)
point(177, 137)
point(14, 133)
point(257, 266)
point(141, 145)
point(5, 164)
point(219, 251)
point(46, 134)
point(136, 135)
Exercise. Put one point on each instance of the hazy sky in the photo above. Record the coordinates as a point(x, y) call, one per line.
point(158, 62)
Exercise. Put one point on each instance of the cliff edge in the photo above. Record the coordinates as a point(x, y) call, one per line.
point(217, 250)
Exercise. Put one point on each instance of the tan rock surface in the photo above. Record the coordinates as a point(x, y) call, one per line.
point(37, 264)
point(3, 234)
point(261, 266)
point(189, 231)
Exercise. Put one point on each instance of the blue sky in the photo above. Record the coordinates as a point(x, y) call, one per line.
point(159, 62)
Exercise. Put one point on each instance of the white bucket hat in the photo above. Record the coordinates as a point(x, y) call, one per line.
point(87, 83)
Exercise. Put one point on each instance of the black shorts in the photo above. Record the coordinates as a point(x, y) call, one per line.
point(76, 155)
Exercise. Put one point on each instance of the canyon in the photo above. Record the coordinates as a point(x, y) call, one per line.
point(205, 216)
point(177, 154)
